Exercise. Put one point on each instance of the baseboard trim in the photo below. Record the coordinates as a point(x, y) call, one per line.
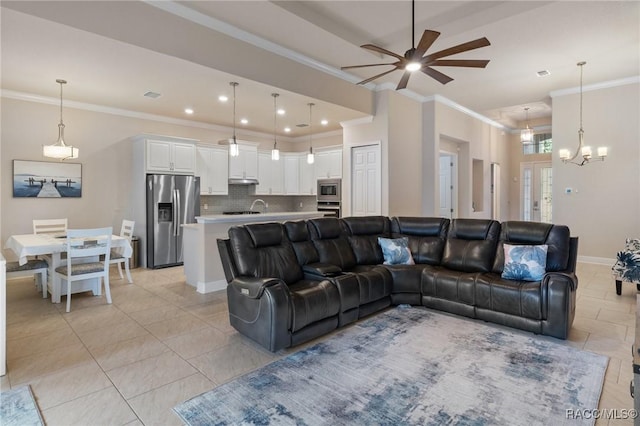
point(596, 260)
point(210, 286)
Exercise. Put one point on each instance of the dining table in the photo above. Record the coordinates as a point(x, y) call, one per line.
point(52, 247)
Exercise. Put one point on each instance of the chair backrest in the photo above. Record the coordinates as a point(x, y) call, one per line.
point(298, 234)
point(330, 239)
point(89, 243)
point(426, 236)
point(50, 226)
point(471, 245)
point(363, 233)
point(127, 229)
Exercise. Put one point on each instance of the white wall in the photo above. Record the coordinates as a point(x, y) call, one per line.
point(606, 207)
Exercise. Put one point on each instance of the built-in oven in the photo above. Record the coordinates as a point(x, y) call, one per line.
point(329, 190)
point(329, 197)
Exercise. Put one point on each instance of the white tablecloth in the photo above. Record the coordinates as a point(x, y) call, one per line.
point(41, 244)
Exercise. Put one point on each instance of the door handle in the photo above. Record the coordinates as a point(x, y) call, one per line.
point(179, 209)
point(175, 210)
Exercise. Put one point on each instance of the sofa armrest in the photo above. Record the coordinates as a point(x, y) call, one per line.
point(558, 303)
point(251, 287)
point(322, 269)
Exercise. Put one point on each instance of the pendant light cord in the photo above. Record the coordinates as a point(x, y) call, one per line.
point(234, 111)
point(310, 128)
point(581, 66)
point(413, 23)
point(61, 83)
point(275, 119)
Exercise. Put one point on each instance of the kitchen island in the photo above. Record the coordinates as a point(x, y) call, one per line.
point(202, 266)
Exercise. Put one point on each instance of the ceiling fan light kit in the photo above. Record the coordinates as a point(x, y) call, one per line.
point(584, 151)
point(415, 59)
point(60, 150)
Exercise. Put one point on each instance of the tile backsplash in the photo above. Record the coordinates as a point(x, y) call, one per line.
point(241, 196)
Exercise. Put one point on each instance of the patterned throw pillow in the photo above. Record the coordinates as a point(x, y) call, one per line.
point(524, 263)
point(396, 251)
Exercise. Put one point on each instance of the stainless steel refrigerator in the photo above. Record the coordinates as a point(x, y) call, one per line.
point(172, 201)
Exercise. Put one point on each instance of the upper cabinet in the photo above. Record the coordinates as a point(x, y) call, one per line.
point(170, 157)
point(270, 175)
point(306, 178)
point(328, 164)
point(213, 168)
point(291, 164)
point(245, 165)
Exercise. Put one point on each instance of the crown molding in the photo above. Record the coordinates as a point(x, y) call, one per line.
point(596, 86)
point(545, 128)
point(29, 97)
point(454, 105)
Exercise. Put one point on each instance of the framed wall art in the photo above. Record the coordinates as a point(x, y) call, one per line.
point(42, 179)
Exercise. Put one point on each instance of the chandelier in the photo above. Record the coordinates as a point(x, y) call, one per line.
point(60, 150)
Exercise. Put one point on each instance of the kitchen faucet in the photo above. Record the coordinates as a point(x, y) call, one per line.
point(254, 204)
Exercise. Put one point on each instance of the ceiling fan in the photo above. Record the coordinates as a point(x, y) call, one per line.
point(413, 59)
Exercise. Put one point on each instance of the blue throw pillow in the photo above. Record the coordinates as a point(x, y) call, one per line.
point(396, 251)
point(524, 263)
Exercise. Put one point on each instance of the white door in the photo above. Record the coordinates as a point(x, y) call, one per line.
point(448, 192)
point(366, 198)
point(536, 190)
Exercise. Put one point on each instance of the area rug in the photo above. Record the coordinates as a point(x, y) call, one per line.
point(18, 408)
point(412, 366)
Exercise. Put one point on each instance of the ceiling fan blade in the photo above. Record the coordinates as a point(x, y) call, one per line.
point(404, 80)
point(471, 63)
point(444, 79)
point(464, 47)
point(427, 39)
point(376, 76)
point(381, 50)
point(367, 65)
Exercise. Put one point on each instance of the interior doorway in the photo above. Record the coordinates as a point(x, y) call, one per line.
point(366, 181)
point(536, 192)
point(448, 185)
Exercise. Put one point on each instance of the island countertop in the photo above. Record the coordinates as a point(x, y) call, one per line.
point(259, 217)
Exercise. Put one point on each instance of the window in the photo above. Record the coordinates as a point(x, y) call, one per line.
point(542, 144)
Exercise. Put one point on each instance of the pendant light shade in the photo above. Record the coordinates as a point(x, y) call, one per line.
point(234, 151)
point(526, 134)
point(275, 152)
point(310, 157)
point(60, 150)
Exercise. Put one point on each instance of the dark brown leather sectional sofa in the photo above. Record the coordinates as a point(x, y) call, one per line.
point(292, 282)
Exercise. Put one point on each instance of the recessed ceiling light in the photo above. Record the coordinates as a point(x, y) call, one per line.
point(324, 122)
point(244, 121)
point(281, 111)
point(188, 111)
point(287, 129)
point(152, 95)
point(223, 98)
point(543, 73)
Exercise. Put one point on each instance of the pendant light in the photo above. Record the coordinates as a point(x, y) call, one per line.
point(233, 146)
point(585, 151)
point(526, 134)
point(275, 152)
point(60, 150)
point(310, 156)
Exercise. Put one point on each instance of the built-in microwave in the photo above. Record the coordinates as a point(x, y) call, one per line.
point(329, 190)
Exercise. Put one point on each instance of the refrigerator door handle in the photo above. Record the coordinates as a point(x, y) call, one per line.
point(175, 208)
point(179, 211)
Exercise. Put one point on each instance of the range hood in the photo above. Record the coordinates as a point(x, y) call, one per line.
point(241, 181)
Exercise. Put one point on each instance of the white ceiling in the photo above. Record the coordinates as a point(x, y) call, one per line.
point(105, 64)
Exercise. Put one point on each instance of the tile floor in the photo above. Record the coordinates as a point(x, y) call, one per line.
point(161, 342)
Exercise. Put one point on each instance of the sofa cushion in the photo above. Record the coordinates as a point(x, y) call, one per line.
point(526, 263)
point(254, 258)
point(519, 298)
point(298, 234)
point(331, 242)
point(556, 237)
point(363, 233)
point(442, 283)
point(471, 245)
point(374, 283)
point(426, 236)
point(396, 251)
point(312, 301)
point(406, 278)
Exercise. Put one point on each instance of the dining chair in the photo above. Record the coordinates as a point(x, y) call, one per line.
point(126, 231)
point(38, 268)
point(49, 226)
point(84, 248)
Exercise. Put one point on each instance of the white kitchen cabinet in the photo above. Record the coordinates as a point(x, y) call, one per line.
point(245, 165)
point(170, 157)
point(212, 165)
point(306, 178)
point(328, 164)
point(270, 175)
point(291, 164)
